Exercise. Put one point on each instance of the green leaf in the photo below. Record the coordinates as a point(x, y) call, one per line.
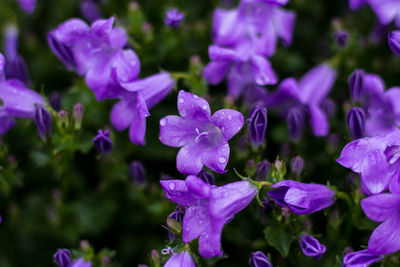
point(279, 238)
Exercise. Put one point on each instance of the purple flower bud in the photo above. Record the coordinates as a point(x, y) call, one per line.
point(394, 42)
point(360, 258)
point(356, 84)
point(356, 122)
point(341, 38)
point(81, 263)
point(55, 101)
point(177, 215)
point(62, 257)
point(137, 172)
point(78, 112)
point(63, 116)
point(43, 121)
point(102, 142)
point(258, 259)
point(328, 106)
point(90, 10)
point(257, 123)
point(295, 121)
point(311, 247)
point(262, 170)
point(173, 18)
point(207, 177)
point(297, 165)
point(62, 51)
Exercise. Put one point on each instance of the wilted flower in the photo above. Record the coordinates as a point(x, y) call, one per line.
point(311, 247)
point(302, 198)
point(203, 138)
point(361, 258)
point(209, 208)
point(257, 123)
point(102, 142)
point(62, 257)
point(43, 121)
point(297, 165)
point(137, 172)
point(356, 122)
point(173, 18)
point(258, 259)
point(182, 259)
point(394, 42)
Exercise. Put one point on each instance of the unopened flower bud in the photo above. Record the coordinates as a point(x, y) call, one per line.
point(206, 177)
point(78, 112)
point(55, 101)
point(295, 121)
point(43, 121)
point(262, 170)
point(394, 42)
point(257, 123)
point(311, 247)
point(102, 142)
point(137, 172)
point(278, 169)
point(62, 257)
point(297, 165)
point(356, 122)
point(63, 118)
point(360, 258)
point(356, 84)
point(341, 38)
point(258, 259)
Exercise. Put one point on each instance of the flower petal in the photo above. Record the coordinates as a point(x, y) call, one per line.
point(214, 72)
point(386, 237)
point(318, 121)
point(380, 207)
point(195, 222)
point(188, 160)
point(210, 240)
point(122, 114)
point(193, 107)
point(217, 158)
point(137, 131)
point(284, 22)
point(229, 121)
point(263, 72)
point(177, 192)
point(374, 172)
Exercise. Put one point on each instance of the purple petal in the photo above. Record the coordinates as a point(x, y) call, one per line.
point(137, 131)
point(188, 160)
point(27, 6)
point(127, 66)
point(193, 107)
point(218, 53)
point(287, 92)
point(386, 237)
point(263, 72)
point(2, 67)
point(380, 207)
point(174, 131)
point(226, 27)
point(180, 259)
point(229, 121)
point(198, 187)
point(210, 240)
point(6, 123)
point(284, 22)
point(217, 158)
point(318, 120)
point(356, 4)
point(122, 114)
point(361, 258)
point(374, 172)
point(386, 11)
point(214, 72)
point(195, 222)
point(157, 88)
point(177, 192)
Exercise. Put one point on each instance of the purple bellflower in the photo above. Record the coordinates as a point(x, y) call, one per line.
point(386, 11)
point(302, 198)
point(376, 160)
point(297, 165)
point(203, 138)
point(62, 257)
point(80, 263)
point(173, 18)
point(257, 124)
point(209, 208)
point(361, 258)
point(181, 259)
point(394, 42)
point(102, 142)
point(341, 37)
point(28, 6)
point(356, 122)
point(298, 100)
point(311, 247)
point(356, 84)
point(258, 259)
point(384, 208)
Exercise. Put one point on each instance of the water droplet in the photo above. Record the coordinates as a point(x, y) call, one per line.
point(195, 97)
point(204, 107)
point(163, 122)
point(171, 186)
point(183, 112)
point(230, 117)
point(221, 160)
point(181, 100)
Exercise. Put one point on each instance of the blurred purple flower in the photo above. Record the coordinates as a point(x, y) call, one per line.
point(386, 10)
point(55, 101)
point(262, 170)
point(356, 4)
point(90, 10)
point(311, 247)
point(297, 165)
point(361, 258)
point(102, 142)
point(81, 263)
point(173, 18)
point(180, 259)
point(62, 257)
point(356, 84)
point(209, 208)
point(394, 42)
point(258, 259)
point(203, 138)
point(341, 37)
point(27, 6)
point(302, 198)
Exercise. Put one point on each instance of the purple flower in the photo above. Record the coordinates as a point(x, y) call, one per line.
point(356, 4)
point(361, 258)
point(133, 108)
point(258, 259)
point(304, 98)
point(177, 215)
point(302, 198)
point(27, 6)
point(43, 121)
point(356, 122)
point(376, 160)
point(102, 142)
point(62, 257)
point(81, 263)
point(386, 10)
point(181, 259)
point(394, 42)
point(137, 172)
point(257, 123)
point(341, 38)
point(311, 247)
point(203, 138)
point(173, 18)
point(383, 208)
point(209, 208)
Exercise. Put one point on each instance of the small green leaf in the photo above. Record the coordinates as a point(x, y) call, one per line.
point(279, 238)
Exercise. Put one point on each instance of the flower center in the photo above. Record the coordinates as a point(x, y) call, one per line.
point(200, 135)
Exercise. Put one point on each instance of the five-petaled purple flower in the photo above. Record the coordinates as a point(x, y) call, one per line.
point(209, 208)
point(202, 136)
point(361, 258)
point(302, 198)
point(173, 18)
point(181, 259)
point(311, 247)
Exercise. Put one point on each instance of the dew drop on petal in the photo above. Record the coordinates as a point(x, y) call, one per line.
point(195, 97)
point(230, 117)
point(221, 160)
point(204, 107)
point(163, 122)
point(171, 186)
point(181, 100)
point(183, 112)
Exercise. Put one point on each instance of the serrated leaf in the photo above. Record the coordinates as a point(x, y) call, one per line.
point(279, 238)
